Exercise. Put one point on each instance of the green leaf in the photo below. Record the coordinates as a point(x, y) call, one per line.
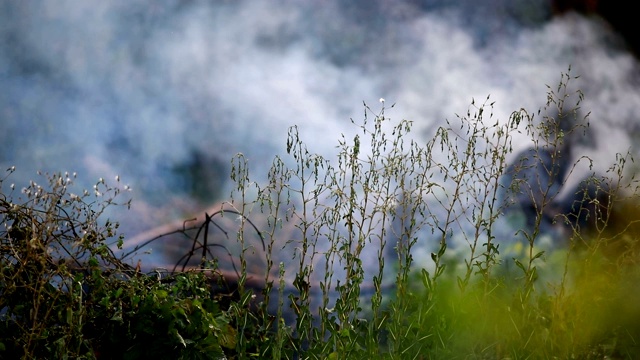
point(538, 255)
point(162, 294)
point(69, 315)
point(426, 279)
point(228, 338)
point(519, 264)
point(177, 335)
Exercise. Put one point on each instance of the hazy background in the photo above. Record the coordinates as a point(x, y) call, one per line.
point(164, 93)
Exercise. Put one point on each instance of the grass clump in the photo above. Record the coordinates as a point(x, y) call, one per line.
point(451, 248)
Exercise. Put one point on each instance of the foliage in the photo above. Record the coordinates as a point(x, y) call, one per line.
point(397, 249)
point(66, 295)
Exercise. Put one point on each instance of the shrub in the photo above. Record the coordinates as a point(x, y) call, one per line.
point(65, 294)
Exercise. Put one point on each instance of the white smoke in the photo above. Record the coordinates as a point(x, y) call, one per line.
point(137, 89)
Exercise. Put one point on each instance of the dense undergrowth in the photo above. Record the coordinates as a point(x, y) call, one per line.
point(395, 249)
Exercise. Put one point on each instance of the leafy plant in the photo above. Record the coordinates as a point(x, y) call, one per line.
point(66, 294)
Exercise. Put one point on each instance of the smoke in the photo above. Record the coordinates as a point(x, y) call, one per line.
point(164, 93)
